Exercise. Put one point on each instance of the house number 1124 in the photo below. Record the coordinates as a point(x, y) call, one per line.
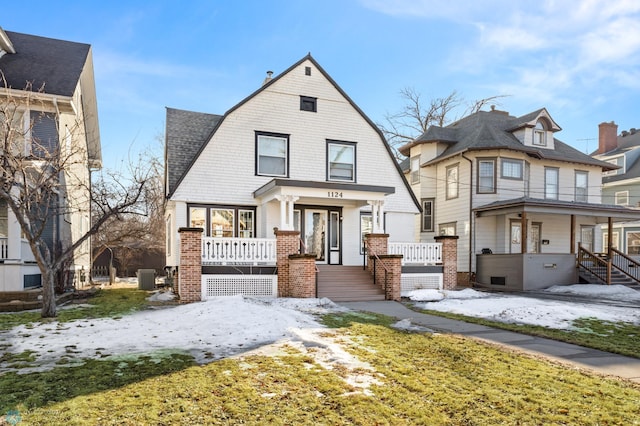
point(334, 194)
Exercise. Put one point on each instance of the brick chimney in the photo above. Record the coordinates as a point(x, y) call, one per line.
point(607, 137)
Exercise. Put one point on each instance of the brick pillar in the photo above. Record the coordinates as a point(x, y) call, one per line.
point(190, 268)
point(393, 271)
point(302, 275)
point(449, 260)
point(287, 243)
point(378, 244)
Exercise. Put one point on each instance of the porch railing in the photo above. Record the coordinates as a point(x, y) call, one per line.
point(625, 264)
point(248, 251)
point(4, 248)
point(417, 253)
point(595, 264)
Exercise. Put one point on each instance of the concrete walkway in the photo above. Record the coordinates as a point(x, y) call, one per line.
point(601, 362)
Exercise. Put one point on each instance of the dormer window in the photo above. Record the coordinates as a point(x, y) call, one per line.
point(540, 134)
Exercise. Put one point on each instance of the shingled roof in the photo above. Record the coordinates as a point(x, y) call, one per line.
point(486, 130)
point(48, 64)
point(186, 133)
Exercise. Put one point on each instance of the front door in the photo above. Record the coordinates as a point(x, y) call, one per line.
point(315, 233)
point(320, 232)
point(516, 237)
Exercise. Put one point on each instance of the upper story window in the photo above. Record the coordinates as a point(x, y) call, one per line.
point(341, 161)
point(622, 198)
point(617, 161)
point(308, 103)
point(486, 176)
point(415, 169)
point(427, 214)
point(272, 154)
point(551, 183)
point(44, 134)
point(512, 169)
point(581, 186)
point(540, 134)
point(452, 181)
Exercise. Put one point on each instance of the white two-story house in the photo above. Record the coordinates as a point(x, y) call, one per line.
point(47, 87)
point(520, 200)
point(297, 154)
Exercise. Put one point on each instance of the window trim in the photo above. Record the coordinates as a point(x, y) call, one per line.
point(236, 215)
point(284, 136)
point(448, 195)
point(577, 196)
point(539, 134)
point(627, 236)
point(506, 160)
point(430, 228)
point(621, 194)
point(353, 145)
point(556, 195)
point(308, 100)
point(491, 160)
point(414, 174)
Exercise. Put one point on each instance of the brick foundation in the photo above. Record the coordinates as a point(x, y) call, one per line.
point(449, 260)
point(190, 269)
point(302, 275)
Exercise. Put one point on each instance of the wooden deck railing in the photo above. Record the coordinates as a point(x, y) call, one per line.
point(625, 264)
point(595, 264)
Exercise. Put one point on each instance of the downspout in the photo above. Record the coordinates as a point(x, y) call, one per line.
point(471, 227)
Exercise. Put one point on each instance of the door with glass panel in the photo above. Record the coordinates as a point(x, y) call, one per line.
point(315, 233)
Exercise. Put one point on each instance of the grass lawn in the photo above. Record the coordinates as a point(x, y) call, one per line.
point(616, 337)
point(412, 379)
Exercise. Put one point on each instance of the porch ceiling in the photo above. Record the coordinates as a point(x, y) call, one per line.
point(601, 212)
point(334, 191)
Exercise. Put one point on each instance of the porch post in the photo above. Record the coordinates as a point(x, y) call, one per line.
point(190, 268)
point(377, 215)
point(287, 243)
point(286, 211)
point(524, 231)
point(572, 249)
point(449, 260)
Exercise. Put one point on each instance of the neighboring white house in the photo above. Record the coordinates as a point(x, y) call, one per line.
point(620, 186)
point(520, 200)
point(59, 108)
point(297, 154)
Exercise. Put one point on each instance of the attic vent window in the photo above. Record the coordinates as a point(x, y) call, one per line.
point(307, 70)
point(308, 103)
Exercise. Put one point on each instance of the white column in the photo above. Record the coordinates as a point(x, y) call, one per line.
point(286, 211)
point(377, 216)
point(14, 236)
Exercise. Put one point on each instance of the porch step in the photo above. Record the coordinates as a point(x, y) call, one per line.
point(347, 284)
point(617, 277)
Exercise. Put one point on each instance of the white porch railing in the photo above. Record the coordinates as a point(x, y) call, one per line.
point(248, 251)
point(417, 253)
point(4, 248)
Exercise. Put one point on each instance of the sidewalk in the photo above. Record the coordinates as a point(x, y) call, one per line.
point(601, 362)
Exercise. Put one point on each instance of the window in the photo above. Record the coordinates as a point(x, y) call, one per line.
point(308, 104)
point(615, 242)
point(427, 215)
point(452, 182)
point(168, 233)
point(618, 161)
point(551, 183)
point(486, 176)
point(511, 169)
point(415, 169)
point(223, 221)
point(633, 243)
point(272, 154)
point(341, 157)
point(44, 134)
point(622, 198)
point(581, 189)
point(539, 134)
point(307, 70)
point(448, 228)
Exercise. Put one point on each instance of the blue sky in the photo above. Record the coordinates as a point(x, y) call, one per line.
point(578, 58)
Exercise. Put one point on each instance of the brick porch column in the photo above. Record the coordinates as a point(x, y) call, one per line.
point(449, 260)
point(302, 275)
point(190, 268)
point(378, 244)
point(393, 265)
point(287, 243)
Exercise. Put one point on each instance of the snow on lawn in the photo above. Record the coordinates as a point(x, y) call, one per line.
point(528, 310)
point(208, 330)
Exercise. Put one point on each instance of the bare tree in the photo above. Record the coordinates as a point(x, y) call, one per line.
point(44, 183)
point(417, 115)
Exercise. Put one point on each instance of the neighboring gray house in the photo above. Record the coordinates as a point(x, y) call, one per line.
point(520, 200)
point(620, 186)
point(53, 83)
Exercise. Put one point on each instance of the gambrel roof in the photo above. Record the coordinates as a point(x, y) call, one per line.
point(488, 130)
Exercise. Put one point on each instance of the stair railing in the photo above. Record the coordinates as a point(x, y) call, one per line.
point(625, 264)
point(594, 264)
point(373, 255)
